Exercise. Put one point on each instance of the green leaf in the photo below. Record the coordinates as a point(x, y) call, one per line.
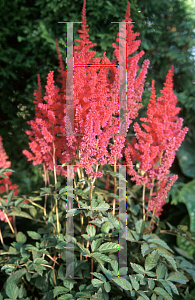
point(12, 290)
point(173, 287)
point(144, 249)
point(160, 271)
point(95, 244)
point(66, 297)
point(40, 260)
point(84, 250)
point(63, 190)
point(100, 276)
point(160, 243)
point(151, 284)
point(113, 220)
point(107, 287)
point(97, 283)
point(128, 236)
point(187, 196)
point(59, 290)
point(137, 268)
point(115, 174)
point(21, 214)
point(169, 258)
point(186, 158)
point(140, 298)
point(105, 227)
point(151, 260)
point(34, 235)
point(109, 247)
point(83, 295)
point(123, 283)
point(91, 230)
point(143, 295)
point(16, 276)
point(162, 293)
point(101, 256)
point(153, 297)
point(134, 282)
point(166, 286)
point(178, 277)
point(10, 196)
point(21, 238)
point(47, 190)
point(61, 245)
point(140, 225)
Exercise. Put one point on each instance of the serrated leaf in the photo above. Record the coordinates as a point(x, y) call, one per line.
point(97, 283)
point(166, 286)
point(86, 251)
point(137, 268)
point(16, 276)
point(10, 196)
point(84, 295)
point(173, 287)
point(47, 190)
point(151, 284)
point(21, 238)
point(153, 297)
point(107, 287)
point(59, 290)
point(128, 236)
point(169, 258)
point(91, 230)
point(113, 220)
point(123, 283)
point(178, 277)
point(144, 249)
point(101, 256)
point(160, 243)
point(63, 190)
point(12, 290)
point(34, 235)
point(40, 261)
point(21, 214)
point(31, 247)
point(99, 276)
point(151, 260)
point(162, 293)
point(109, 247)
point(134, 283)
point(66, 297)
point(160, 271)
point(140, 225)
point(105, 227)
point(143, 295)
point(95, 244)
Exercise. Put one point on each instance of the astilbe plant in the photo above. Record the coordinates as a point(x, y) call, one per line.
point(37, 269)
point(155, 151)
point(6, 186)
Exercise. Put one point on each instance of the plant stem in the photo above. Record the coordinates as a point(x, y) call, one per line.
point(114, 200)
point(55, 178)
point(10, 225)
point(143, 201)
point(45, 179)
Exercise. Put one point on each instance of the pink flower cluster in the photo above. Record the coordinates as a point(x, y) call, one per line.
point(5, 184)
point(156, 146)
point(96, 103)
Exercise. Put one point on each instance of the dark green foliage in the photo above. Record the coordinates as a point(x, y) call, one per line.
point(34, 265)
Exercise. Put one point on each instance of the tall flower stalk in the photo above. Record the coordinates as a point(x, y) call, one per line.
point(155, 148)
